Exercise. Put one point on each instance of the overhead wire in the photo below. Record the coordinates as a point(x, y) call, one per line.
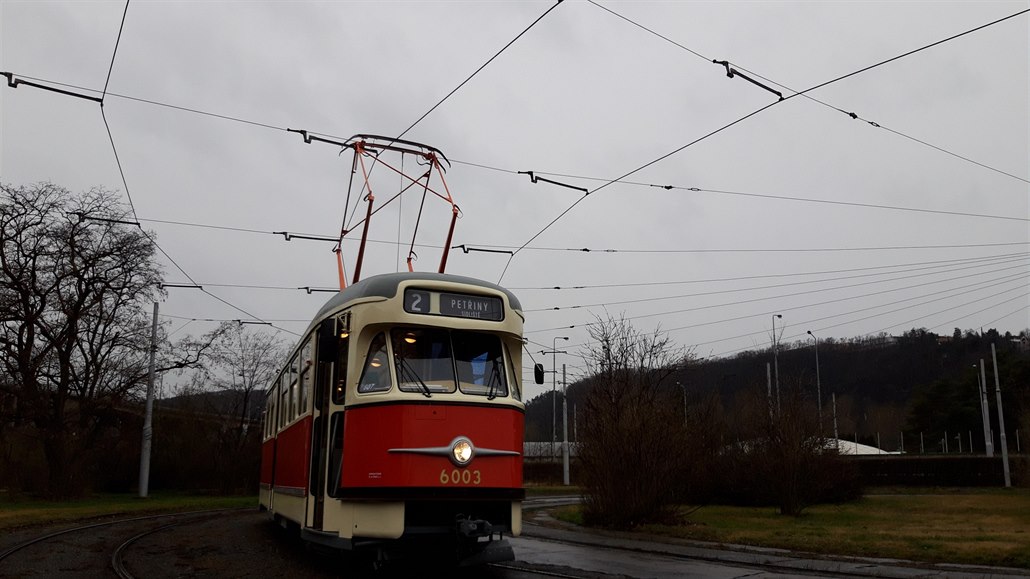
point(980, 311)
point(125, 182)
point(1012, 313)
point(850, 114)
point(603, 250)
point(477, 71)
point(985, 285)
point(943, 269)
point(770, 196)
point(640, 168)
point(754, 300)
point(117, 41)
point(741, 119)
point(954, 292)
point(762, 276)
point(280, 128)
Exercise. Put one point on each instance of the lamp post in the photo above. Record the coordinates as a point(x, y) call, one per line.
point(776, 362)
point(684, 388)
point(818, 385)
point(554, 388)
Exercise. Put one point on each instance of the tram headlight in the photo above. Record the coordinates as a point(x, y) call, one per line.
point(461, 451)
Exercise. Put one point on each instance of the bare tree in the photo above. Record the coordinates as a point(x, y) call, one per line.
point(631, 441)
point(784, 459)
point(230, 387)
point(75, 283)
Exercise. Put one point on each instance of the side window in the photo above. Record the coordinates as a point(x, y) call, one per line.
point(273, 411)
point(516, 382)
point(284, 401)
point(307, 374)
point(375, 377)
point(340, 386)
point(291, 389)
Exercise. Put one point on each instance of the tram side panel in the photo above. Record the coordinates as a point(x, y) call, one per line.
point(292, 455)
point(267, 460)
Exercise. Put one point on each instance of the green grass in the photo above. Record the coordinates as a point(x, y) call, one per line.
point(982, 527)
point(23, 512)
point(546, 490)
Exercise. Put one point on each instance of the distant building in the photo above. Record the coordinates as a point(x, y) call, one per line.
point(849, 447)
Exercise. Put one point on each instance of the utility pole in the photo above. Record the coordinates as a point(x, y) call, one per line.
point(768, 387)
point(148, 417)
point(565, 427)
point(988, 442)
point(836, 437)
point(818, 383)
point(776, 362)
point(1001, 420)
point(684, 389)
point(554, 388)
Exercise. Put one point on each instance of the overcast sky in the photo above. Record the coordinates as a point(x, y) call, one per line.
point(584, 93)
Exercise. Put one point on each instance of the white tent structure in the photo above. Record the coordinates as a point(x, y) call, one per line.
point(848, 447)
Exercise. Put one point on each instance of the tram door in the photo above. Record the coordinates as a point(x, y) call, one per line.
point(329, 388)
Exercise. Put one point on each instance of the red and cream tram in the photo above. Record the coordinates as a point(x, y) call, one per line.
point(397, 424)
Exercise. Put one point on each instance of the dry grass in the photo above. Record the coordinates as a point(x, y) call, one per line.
point(985, 527)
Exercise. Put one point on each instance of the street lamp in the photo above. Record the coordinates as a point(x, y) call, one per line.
point(818, 385)
point(684, 388)
point(776, 362)
point(554, 379)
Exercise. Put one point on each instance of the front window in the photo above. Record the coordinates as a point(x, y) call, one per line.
point(480, 364)
point(427, 361)
point(422, 358)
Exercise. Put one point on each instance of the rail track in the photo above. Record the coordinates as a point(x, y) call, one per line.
point(116, 559)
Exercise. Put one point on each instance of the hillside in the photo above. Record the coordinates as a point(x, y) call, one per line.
point(918, 382)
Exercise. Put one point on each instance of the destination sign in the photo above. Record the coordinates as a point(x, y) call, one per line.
point(455, 305)
point(477, 307)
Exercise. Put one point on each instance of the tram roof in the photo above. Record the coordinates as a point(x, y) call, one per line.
point(386, 285)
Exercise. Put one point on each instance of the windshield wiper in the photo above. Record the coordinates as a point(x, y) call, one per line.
point(404, 368)
point(495, 378)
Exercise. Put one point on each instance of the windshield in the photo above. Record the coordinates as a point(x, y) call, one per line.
point(480, 364)
point(422, 358)
point(428, 360)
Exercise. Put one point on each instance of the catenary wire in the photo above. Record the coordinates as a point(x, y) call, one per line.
point(768, 195)
point(154, 241)
point(763, 276)
point(117, 41)
point(616, 250)
point(640, 168)
point(754, 300)
point(942, 269)
point(850, 114)
point(949, 322)
point(932, 264)
point(968, 287)
point(162, 104)
point(484, 65)
point(1008, 279)
point(741, 119)
point(1012, 313)
point(867, 318)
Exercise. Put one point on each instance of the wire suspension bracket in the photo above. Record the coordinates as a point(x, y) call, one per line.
point(732, 72)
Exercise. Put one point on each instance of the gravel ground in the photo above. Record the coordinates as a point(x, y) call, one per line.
point(232, 544)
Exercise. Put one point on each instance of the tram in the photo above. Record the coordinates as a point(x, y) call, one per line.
point(397, 425)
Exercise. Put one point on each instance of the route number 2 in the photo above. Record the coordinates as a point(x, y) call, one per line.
point(417, 302)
